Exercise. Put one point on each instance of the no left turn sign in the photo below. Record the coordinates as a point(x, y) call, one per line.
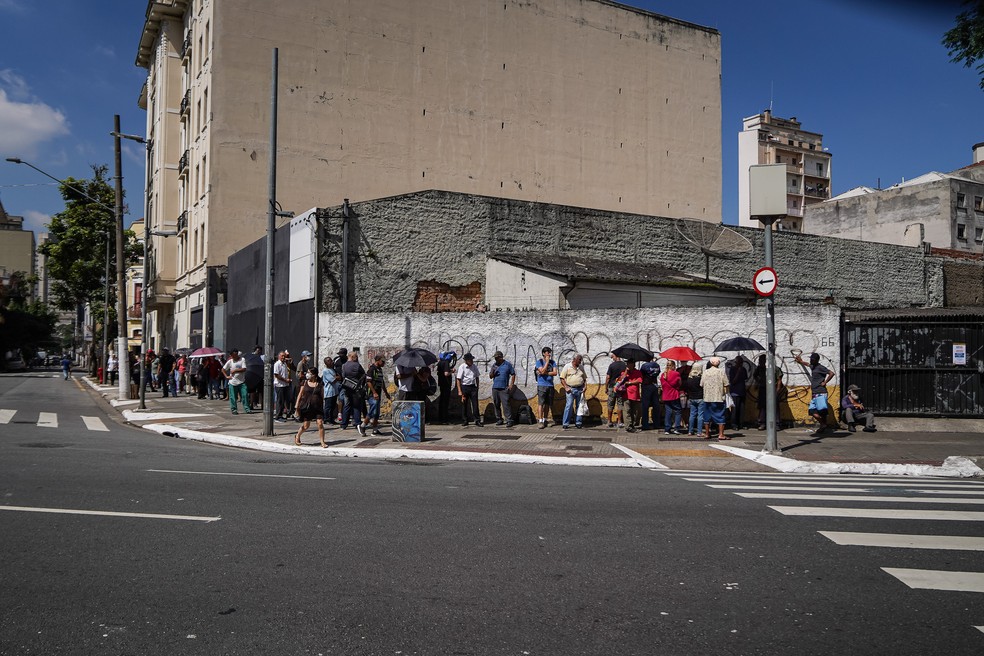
point(765, 281)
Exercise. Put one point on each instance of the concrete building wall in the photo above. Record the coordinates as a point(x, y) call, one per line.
point(445, 237)
point(593, 333)
point(509, 286)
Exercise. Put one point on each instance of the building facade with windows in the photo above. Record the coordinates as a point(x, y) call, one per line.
point(583, 102)
point(16, 250)
point(768, 139)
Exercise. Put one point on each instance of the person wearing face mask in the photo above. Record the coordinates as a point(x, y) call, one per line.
point(854, 411)
point(310, 407)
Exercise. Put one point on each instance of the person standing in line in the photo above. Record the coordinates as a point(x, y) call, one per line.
point(738, 388)
point(352, 370)
point(632, 382)
point(695, 394)
point(376, 388)
point(309, 407)
point(445, 376)
point(213, 372)
point(199, 374)
point(819, 377)
point(281, 388)
point(112, 368)
point(467, 378)
point(256, 394)
point(684, 371)
point(235, 373)
point(758, 378)
point(165, 371)
point(329, 381)
point(149, 371)
point(341, 357)
point(503, 377)
point(650, 393)
point(573, 379)
point(672, 386)
point(181, 381)
point(546, 369)
point(715, 385)
point(66, 365)
point(615, 370)
point(291, 388)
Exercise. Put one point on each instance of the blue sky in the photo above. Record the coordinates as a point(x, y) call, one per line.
point(871, 76)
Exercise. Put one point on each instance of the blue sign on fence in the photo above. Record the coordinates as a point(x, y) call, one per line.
point(408, 421)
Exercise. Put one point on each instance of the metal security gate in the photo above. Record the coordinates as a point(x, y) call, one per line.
point(917, 363)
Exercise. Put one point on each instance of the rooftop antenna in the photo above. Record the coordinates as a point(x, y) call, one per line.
point(772, 93)
point(713, 240)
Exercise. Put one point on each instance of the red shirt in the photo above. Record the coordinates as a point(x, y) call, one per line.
point(671, 385)
point(633, 392)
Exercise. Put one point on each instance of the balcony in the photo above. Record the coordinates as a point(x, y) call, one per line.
point(794, 211)
point(183, 163)
point(186, 102)
point(134, 311)
point(186, 47)
point(816, 191)
point(183, 221)
point(816, 174)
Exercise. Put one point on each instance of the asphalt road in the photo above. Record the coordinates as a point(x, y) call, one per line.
point(411, 557)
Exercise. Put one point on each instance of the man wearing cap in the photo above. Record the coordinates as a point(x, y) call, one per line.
point(467, 378)
point(855, 412)
point(235, 372)
point(715, 385)
point(503, 377)
point(546, 369)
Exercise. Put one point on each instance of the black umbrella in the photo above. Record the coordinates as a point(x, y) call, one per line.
point(739, 344)
point(632, 351)
point(415, 358)
point(254, 372)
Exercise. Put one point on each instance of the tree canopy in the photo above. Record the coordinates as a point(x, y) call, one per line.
point(76, 249)
point(965, 40)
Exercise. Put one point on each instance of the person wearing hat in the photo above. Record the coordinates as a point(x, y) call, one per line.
point(854, 411)
point(715, 386)
point(503, 376)
point(467, 378)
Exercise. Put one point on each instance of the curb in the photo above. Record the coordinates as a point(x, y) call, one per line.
point(953, 467)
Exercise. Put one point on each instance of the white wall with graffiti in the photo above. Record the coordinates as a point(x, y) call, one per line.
point(592, 333)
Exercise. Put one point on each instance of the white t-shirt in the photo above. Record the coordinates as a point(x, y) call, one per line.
point(240, 378)
point(280, 369)
point(467, 374)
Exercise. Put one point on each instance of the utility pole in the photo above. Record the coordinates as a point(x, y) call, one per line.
point(122, 352)
point(271, 233)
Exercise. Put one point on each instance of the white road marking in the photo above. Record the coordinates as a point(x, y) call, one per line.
point(48, 420)
point(867, 483)
point(931, 579)
point(950, 542)
point(853, 497)
point(94, 423)
point(777, 476)
point(787, 488)
point(881, 513)
point(109, 513)
point(174, 471)
point(6, 416)
point(947, 491)
point(980, 628)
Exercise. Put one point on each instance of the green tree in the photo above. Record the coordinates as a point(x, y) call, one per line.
point(76, 249)
point(965, 40)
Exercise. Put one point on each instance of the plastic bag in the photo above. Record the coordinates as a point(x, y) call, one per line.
point(729, 402)
point(582, 407)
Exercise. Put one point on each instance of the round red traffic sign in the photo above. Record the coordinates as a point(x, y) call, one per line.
point(765, 281)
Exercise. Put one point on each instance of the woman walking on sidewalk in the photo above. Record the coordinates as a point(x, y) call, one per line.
point(310, 407)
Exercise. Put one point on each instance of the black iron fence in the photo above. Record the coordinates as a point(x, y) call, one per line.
point(919, 365)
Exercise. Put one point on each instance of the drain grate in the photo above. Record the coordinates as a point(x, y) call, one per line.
point(583, 439)
point(490, 437)
point(579, 447)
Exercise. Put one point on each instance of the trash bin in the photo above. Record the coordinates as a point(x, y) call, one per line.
point(408, 421)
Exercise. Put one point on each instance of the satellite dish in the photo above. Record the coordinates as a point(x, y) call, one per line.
point(713, 240)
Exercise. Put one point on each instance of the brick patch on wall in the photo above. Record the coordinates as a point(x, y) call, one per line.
point(440, 297)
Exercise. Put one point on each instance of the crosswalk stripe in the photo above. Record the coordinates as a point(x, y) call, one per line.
point(787, 488)
point(950, 542)
point(6, 416)
point(947, 491)
point(47, 420)
point(931, 579)
point(854, 497)
point(765, 476)
point(867, 483)
point(94, 423)
point(881, 513)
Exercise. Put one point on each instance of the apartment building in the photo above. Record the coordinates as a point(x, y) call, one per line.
point(16, 249)
point(587, 103)
point(768, 139)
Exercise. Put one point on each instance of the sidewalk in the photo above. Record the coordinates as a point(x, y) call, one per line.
point(958, 453)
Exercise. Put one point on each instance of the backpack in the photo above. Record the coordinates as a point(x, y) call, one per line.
point(526, 415)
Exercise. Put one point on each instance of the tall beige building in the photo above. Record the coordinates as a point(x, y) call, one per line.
point(768, 139)
point(580, 102)
point(16, 249)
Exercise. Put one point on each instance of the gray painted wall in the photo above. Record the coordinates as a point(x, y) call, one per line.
point(445, 237)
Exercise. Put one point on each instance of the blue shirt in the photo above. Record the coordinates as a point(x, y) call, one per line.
point(545, 381)
point(502, 374)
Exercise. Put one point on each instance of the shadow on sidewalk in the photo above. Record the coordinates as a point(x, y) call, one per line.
point(817, 439)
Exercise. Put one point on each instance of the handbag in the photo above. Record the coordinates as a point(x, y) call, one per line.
point(350, 384)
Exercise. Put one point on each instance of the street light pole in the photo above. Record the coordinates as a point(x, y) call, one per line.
point(122, 350)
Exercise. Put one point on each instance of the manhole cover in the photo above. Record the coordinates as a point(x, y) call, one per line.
point(44, 445)
point(490, 437)
point(579, 447)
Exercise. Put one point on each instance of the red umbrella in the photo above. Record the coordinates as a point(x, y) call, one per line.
point(680, 353)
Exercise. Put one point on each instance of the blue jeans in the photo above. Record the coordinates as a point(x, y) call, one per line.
point(650, 400)
point(696, 415)
point(331, 409)
point(352, 409)
point(672, 414)
point(570, 407)
point(373, 412)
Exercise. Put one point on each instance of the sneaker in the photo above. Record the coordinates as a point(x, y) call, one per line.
point(280, 420)
point(869, 429)
point(465, 423)
point(542, 425)
point(676, 432)
point(479, 424)
point(499, 422)
point(376, 431)
point(666, 432)
point(235, 412)
point(566, 427)
point(510, 424)
point(578, 425)
point(361, 429)
point(621, 425)
point(611, 424)
point(630, 430)
point(851, 429)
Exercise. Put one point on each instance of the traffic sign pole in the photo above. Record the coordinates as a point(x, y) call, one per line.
point(771, 441)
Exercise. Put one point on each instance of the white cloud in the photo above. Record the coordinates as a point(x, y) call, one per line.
point(12, 6)
point(105, 51)
point(36, 221)
point(25, 121)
